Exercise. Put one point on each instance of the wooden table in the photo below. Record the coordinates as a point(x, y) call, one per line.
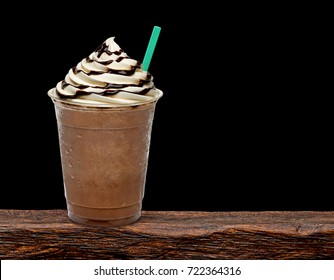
point(49, 234)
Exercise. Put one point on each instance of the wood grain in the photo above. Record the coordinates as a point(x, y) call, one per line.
point(49, 234)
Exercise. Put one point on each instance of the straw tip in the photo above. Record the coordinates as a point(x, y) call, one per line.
point(151, 46)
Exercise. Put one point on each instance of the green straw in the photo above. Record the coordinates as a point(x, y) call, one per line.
point(151, 47)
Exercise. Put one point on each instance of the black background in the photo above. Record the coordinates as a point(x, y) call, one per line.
point(244, 123)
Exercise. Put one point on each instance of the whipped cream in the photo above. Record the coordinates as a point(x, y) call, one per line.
point(108, 76)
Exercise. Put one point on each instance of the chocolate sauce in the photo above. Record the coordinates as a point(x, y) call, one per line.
point(108, 88)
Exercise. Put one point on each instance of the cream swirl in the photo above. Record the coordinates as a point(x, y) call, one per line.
point(108, 75)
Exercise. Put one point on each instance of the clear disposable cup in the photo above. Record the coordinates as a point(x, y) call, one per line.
point(104, 155)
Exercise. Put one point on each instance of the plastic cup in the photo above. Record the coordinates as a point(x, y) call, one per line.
point(104, 155)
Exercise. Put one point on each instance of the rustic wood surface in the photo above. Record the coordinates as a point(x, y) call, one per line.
point(49, 234)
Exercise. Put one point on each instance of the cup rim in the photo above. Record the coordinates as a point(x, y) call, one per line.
point(74, 102)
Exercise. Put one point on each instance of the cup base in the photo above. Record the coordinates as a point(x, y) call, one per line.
point(104, 216)
point(104, 223)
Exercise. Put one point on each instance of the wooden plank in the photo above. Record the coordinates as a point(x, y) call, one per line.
point(49, 234)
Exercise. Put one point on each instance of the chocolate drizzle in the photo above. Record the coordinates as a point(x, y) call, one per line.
point(113, 71)
point(104, 48)
point(104, 87)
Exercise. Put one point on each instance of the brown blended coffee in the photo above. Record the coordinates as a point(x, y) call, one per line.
point(105, 109)
point(104, 155)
